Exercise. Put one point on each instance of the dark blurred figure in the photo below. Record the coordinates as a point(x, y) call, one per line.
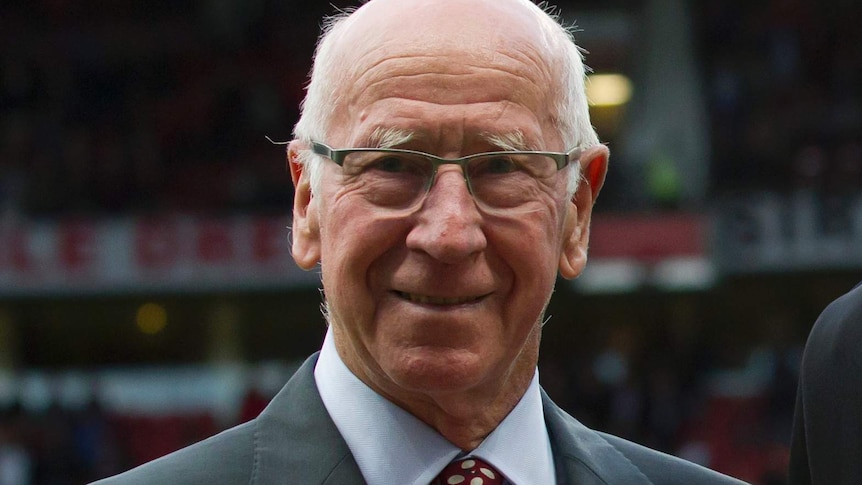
point(827, 429)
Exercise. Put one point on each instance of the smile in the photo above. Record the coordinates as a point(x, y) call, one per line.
point(435, 300)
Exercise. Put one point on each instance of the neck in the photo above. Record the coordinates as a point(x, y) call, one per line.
point(464, 417)
point(464, 404)
point(466, 420)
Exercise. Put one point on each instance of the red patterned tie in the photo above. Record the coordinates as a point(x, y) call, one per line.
point(469, 471)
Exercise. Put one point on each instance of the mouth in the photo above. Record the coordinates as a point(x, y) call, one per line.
point(436, 300)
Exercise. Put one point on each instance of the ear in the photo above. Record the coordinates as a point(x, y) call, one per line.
point(576, 228)
point(305, 245)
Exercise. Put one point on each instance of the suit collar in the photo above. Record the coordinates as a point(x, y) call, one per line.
point(582, 456)
point(297, 442)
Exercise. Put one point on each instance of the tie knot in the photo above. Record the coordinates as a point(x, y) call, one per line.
point(469, 471)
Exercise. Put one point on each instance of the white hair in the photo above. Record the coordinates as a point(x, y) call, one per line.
point(563, 56)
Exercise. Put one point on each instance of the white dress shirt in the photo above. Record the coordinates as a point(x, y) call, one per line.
point(390, 445)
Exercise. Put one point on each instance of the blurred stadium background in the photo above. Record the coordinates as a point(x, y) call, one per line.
point(148, 299)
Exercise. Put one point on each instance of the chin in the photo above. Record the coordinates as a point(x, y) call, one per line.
point(439, 370)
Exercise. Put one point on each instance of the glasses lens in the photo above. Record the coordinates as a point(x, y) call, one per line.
point(389, 180)
point(508, 181)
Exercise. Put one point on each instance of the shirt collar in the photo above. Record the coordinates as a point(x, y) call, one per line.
point(390, 445)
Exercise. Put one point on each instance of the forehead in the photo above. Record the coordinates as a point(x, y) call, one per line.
point(445, 65)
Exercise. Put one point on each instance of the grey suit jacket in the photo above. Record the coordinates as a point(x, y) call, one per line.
point(294, 441)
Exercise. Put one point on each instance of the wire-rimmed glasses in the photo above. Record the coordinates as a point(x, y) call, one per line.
point(399, 179)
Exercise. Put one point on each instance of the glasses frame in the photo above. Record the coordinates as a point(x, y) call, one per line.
point(562, 159)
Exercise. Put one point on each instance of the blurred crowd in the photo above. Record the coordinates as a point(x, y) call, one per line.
point(685, 378)
point(785, 91)
point(74, 445)
point(128, 107)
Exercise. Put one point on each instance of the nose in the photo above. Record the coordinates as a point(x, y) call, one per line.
point(449, 224)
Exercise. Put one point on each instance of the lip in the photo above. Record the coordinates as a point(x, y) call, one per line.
point(439, 300)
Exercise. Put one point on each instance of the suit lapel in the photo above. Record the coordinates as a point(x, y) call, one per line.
point(583, 457)
point(296, 440)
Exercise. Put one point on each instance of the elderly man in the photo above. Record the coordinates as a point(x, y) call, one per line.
point(445, 172)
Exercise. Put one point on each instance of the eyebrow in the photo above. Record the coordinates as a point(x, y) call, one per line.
point(388, 137)
point(510, 141)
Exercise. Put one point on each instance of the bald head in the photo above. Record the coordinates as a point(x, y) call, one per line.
point(483, 26)
point(452, 36)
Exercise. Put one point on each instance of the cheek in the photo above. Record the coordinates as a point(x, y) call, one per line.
point(531, 242)
point(534, 248)
point(530, 248)
point(353, 242)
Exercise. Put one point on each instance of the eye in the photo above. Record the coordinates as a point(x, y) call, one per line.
point(400, 164)
point(494, 165)
point(390, 163)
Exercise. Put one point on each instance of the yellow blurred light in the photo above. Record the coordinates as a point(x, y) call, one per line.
point(608, 89)
point(151, 318)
